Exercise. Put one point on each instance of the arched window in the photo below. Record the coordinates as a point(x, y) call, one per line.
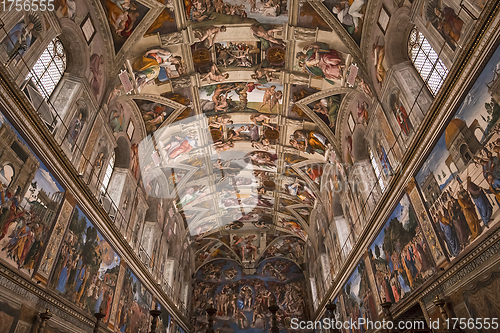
point(109, 172)
point(426, 61)
point(377, 170)
point(49, 68)
point(7, 174)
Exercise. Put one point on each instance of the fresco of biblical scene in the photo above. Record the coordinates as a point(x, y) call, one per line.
point(244, 200)
point(30, 198)
point(400, 255)
point(159, 65)
point(22, 36)
point(262, 160)
point(461, 177)
point(309, 18)
point(289, 160)
point(314, 171)
point(327, 109)
point(303, 211)
point(134, 305)
point(358, 298)
point(290, 224)
point(261, 218)
point(87, 267)
point(177, 144)
point(242, 301)
point(308, 141)
point(235, 11)
point(153, 114)
point(123, 18)
point(445, 19)
point(286, 247)
point(238, 54)
point(204, 226)
point(298, 92)
point(165, 23)
point(244, 131)
point(350, 14)
point(210, 249)
point(190, 195)
point(199, 162)
point(246, 246)
point(298, 189)
point(320, 61)
point(182, 96)
point(242, 97)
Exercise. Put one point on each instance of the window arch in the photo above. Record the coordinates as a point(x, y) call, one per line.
point(426, 61)
point(49, 68)
point(7, 173)
point(109, 172)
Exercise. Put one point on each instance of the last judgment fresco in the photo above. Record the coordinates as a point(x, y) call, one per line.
point(242, 300)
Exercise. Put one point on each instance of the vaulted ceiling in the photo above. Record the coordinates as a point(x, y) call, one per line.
point(238, 110)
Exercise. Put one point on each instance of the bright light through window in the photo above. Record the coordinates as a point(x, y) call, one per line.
point(109, 172)
point(426, 61)
point(49, 68)
point(377, 170)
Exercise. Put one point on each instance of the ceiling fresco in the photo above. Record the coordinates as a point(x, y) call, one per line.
point(239, 108)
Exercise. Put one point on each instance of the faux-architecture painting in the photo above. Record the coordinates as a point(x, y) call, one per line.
point(30, 196)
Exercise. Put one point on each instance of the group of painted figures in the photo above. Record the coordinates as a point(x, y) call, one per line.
point(22, 230)
point(244, 303)
point(405, 268)
point(456, 214)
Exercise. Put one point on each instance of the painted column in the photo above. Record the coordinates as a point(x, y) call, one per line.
point(55, 239)
point(425, 223)
point(118, 292)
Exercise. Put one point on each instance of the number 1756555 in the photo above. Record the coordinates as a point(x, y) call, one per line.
point(27, 5)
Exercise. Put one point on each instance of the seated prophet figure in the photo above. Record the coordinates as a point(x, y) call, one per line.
point(155, 62)
point(349, 14)
point(321, 61)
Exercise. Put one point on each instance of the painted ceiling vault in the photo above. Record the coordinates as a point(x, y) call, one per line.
point(235, 110)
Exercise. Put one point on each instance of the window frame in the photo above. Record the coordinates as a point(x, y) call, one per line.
point(376, 168)
point(46, 62)
point(426, 61)
point(108, 173)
